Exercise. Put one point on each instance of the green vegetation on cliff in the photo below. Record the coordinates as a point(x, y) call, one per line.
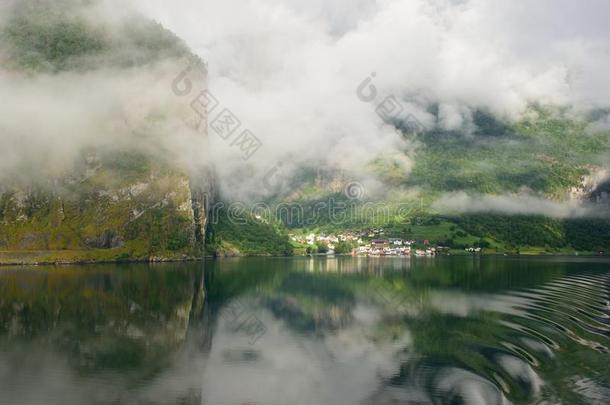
point(124, 206)
point(54, 36)
point(547, 152)
point(128, 201)
point(234, 233)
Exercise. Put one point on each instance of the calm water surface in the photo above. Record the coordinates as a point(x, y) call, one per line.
point(308, 331)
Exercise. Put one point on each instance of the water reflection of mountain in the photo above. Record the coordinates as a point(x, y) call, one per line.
point(93, 327)
point(338, 330)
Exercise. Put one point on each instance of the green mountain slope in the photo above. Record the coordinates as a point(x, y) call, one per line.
point(120, 205)
point(549, 154)
point(69, 35)
point(125, 197)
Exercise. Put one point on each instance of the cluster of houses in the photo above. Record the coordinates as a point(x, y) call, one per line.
point(328, 240)
point(359, 237)
point(369, 243)
point(394, 247)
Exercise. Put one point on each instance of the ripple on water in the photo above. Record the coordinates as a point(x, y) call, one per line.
point(533, 327)
point(454, 385)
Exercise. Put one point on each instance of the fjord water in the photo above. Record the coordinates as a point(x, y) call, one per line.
point(279, 331)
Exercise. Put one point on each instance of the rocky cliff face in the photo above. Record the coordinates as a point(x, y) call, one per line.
point(591, 185)
point(98, 171)
point(118, 206)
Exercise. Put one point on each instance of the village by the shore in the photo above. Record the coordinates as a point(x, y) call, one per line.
point(372, 243)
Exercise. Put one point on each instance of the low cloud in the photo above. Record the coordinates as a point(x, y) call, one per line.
point(118, 97)
point(44, 133)
point(289, 70)
point(462, 202)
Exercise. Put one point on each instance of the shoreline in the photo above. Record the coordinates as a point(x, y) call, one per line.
point(51, 262)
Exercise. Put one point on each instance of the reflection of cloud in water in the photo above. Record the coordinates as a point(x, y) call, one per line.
point(591, 391)
point(472, 389)
point(31, 376)
point(288, 368)
point(520, 371)
point(466, 347)
point(463, 305)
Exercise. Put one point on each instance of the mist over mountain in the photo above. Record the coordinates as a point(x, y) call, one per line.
point(96, 147)
point(430, 108)
point(81, 74)
point(322, 85)
point(475, 71)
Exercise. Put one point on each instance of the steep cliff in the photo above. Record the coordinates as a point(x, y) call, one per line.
point(118, 206)
point(96, 137)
